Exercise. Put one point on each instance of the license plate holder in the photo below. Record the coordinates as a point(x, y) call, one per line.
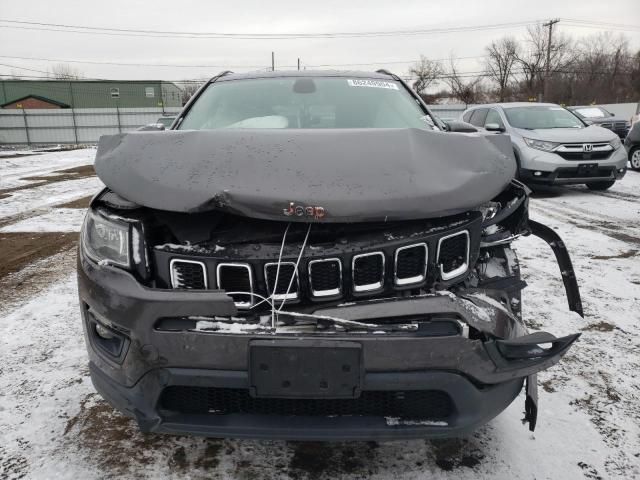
point(587, 169)
point(305, 369)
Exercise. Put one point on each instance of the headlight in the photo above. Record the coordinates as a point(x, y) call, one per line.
point(105, 240)
point(615, 143)
point(541, 144)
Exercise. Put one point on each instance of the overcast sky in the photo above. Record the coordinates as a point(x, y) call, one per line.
point(277, 17)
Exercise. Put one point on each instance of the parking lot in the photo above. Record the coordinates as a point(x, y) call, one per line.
point(51, 419)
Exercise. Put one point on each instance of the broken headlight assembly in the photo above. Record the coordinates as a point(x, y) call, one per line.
point(106, 240)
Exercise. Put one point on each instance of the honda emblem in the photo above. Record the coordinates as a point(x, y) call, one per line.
point(587, 147)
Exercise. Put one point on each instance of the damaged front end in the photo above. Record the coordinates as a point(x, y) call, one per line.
point(219, 324)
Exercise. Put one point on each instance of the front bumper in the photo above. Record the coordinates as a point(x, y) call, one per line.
point(551, 169)
point(479, 380)
point(573, 175)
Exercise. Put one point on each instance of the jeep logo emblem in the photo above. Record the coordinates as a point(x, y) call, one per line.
point(295, 210)
point(587, 147)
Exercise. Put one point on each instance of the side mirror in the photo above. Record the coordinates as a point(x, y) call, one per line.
point(612, 114)
point(151, 127)
point(493, 127)
point(461, 127)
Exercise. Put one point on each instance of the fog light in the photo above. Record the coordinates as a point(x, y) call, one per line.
point(621, 170)
point(104, 332)
point(537, 174)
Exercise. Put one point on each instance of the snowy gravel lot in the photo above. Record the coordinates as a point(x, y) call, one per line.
point(53, 425)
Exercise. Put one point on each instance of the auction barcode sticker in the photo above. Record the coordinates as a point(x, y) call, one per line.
point(363, 82)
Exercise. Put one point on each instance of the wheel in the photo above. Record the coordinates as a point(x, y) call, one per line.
point(600, 185)
point(634, 158)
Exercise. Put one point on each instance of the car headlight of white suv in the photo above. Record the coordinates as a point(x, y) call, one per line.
point(541, 144)
point(616, 143)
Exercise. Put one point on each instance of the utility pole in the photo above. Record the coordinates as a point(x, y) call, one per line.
point(549, 24)
point(273, 61)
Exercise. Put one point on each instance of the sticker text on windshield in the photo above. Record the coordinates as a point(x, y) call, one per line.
point(362, 82)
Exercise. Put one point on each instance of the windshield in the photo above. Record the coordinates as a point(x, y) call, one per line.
point(532, 118)
point(592, 112)
point(304, 102)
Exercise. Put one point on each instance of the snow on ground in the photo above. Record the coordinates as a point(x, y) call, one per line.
point(52, 424)
point(29, 200)
point(15, 169)
point(55, 220)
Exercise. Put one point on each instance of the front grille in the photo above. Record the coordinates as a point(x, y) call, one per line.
point(585, 156)
point(453, 255)
point(326, 271)
point(578, 173)
point(285, 276)
point(188, 274)
point(411, 264)
point(620, 125)
point(412, 404)
point(325, 277)
point(236, 277)
point(368, 271)
point(576, 151)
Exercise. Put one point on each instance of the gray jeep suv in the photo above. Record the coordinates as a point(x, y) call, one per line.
point(554, 146)
point(310, 255)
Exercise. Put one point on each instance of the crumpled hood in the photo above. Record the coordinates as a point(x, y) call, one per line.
point(352, 174)
point(590, 134)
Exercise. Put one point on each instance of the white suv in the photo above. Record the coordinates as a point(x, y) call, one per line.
point(554, 146)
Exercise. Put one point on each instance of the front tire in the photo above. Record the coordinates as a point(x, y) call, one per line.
point(634, 158)
point(600, 185)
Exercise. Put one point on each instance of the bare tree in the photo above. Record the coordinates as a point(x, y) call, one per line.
point(467, 89)
point(427, 72)
point(531, 59)
point(501, 58)
point(635, 75)
point(64, 71)
point(605, 66)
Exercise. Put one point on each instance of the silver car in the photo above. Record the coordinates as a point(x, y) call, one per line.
point(552, 145)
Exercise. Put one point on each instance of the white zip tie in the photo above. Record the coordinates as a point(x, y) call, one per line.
point(295, 270)
point(275, 284)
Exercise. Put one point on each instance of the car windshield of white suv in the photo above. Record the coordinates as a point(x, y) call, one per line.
point(534, 118)
point(304, 102)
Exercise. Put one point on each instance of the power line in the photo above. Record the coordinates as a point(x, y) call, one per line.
point(130, 64)
point(68, 28)
point(471, 74)
point(596, 24)
point(95, 62)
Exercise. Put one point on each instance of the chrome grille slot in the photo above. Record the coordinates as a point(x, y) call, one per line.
point(411, 264)
point(368, 272)
point(286, 273)
point(236, 277)
point(453, 255)
point(325, 277)
point(188, 274)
